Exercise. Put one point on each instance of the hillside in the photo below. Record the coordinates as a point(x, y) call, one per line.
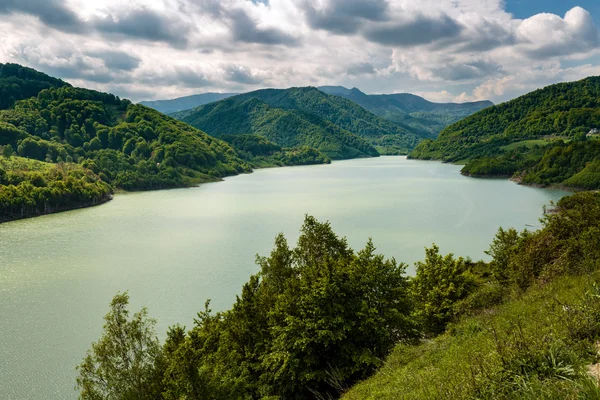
point(18, 82)
point(29, 188)
point(287, 128)
point(310, 104)
point(408, 109)
point(185, 103)
point(128, 146)
point(563, 110)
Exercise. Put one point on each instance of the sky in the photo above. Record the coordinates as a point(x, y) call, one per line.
point(444, 50)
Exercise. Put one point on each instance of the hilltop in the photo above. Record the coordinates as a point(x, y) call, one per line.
point(304, 115)
point(408, 109)
point(186, 102)
point(127, 146)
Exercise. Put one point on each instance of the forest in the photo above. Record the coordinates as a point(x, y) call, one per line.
point(319, 319)
point(334, 125)
point(565, 110)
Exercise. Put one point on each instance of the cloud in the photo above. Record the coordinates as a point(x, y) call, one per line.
point(117, 60)
point(53, 13)
point(459, 49)
point(548, 35)
point(360, 69)
point(345, 16)
point(144, 23)
point(245, 30)
point(417, 31)
point(241, 74)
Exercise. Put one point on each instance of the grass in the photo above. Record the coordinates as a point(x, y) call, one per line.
point(526, 143)
point(15, 163)
point(537, 346)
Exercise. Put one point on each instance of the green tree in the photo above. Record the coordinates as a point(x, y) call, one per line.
point(127, 361)
point(439, 284)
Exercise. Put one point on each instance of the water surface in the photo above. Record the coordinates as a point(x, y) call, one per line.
point(174, 249)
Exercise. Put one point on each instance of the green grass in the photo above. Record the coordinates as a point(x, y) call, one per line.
point(525, 143)
point(25, 164)
point(535, 347)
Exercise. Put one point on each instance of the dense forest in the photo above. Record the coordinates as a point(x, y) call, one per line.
point(116, 144)
point(304, 116)
point(261, 152)
point(31, 188)
point(319, 317)
point(410, 110)
point(18, 83)
point(566, 110)
point(284, 127)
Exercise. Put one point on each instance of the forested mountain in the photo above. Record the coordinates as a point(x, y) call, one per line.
point(287, 128)
point(128, 146)
point(185, 103)
point(18, 83)
point(408, 109)
point(562, 110)
point(304, 116)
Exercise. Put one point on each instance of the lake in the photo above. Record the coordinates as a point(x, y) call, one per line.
point(174, 249)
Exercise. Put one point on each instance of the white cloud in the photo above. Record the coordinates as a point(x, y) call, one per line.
point(447, 50)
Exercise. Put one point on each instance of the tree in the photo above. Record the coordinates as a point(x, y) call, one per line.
point(440, 283)
point(501, 249)
point(127, 361)
point(8, 151)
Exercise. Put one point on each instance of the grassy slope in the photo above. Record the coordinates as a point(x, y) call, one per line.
point(537, 329)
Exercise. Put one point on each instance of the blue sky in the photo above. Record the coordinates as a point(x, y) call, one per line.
point(444, 50)
point(526, 8)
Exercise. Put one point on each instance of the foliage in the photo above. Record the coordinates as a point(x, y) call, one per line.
point(535, 341)
point(30, 188)
point(566, 109)
point(131, 146)
point(18, 83)
point(303, 116)
point(127, 361)
point(286, 128)
point(440, 282)
point(261, 152)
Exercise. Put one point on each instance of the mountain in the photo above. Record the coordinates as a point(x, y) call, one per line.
point(18, 82)
point(124, 145)
point(304, 115)
point(185, 103)
point(287, 128)
point(408, 109)
point(564, 110)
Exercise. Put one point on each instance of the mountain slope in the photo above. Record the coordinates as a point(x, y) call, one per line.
point(241, 115)
point(322, 109)
point(564, 110)
point(185, 103)
point(123, 145)
point(18, 82)
point(408, 109)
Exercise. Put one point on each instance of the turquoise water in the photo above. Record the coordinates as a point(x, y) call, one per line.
point(174, 249)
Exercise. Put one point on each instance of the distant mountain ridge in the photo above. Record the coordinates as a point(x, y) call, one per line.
point(186, 102)
point(304, 116)
point(409, 109)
